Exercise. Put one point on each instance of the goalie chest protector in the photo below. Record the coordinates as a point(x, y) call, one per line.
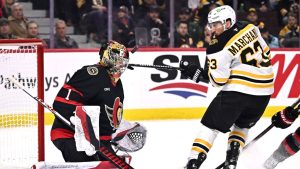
point(90, 85)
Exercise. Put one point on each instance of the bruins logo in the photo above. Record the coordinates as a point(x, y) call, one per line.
point(92, 70)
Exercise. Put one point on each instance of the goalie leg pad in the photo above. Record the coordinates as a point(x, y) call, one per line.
point(67, 146)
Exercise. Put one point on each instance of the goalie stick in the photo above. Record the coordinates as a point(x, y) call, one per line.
point(104, 151)
point(294, 105)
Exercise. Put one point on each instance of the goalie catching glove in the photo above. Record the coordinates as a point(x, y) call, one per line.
point(129, 137)
point(192, 71)
point(285, 118)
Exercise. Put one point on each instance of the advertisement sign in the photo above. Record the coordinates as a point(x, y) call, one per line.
point(163, 93)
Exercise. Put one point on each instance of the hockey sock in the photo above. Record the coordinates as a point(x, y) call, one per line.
point(203, 142)
point(291, 144)
point(236, 141)
point(239, 135)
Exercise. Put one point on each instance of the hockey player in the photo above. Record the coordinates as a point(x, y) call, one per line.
point(98, 85)
point(291, 144)
point(239, 61)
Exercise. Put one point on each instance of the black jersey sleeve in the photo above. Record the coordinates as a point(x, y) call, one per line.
point(87, 81)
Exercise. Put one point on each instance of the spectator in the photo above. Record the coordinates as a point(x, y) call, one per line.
point(5, 29)
point(157, 30)
point(182, 38)
point(252, 17)
point(294, 8)
point(271, 40)
point(17, 21)
point(32, 29)
point(33, 32)
point(143, 6)
point(204, 42)
point(61, 40)
point(6, 10)
point(292, 25)
point(67, 10)
point(291, 39)
point(124, 28)
point(94, 15)
point(284, 7)
point(260, 5)
point(206, 6)
point(194, 27)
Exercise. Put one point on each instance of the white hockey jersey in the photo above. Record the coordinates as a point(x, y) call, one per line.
point(239, 60)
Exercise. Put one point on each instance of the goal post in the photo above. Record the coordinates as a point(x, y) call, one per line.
point(21, 117)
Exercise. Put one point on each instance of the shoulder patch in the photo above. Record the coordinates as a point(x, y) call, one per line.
point(92, 70)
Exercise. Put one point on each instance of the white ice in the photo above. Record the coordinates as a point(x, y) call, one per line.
point(169, 142)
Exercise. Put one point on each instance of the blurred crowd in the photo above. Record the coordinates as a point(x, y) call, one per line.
point(147, 22)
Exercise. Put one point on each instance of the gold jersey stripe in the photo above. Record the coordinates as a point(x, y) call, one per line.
point(203, 142)
point(217, 80)
point(252, 75)
point(249, 84)
point(266, 49)
point(221, 80)
point(238, 34)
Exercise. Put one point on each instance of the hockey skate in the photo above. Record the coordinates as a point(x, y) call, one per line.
point(196, 163)
point(232, 155)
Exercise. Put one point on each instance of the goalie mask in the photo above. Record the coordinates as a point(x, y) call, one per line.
point(129, 137)
point(115, 57)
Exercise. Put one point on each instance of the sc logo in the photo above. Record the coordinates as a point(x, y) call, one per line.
point(172, 74)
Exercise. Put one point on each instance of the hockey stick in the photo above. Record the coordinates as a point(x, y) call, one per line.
point(261, 134)
point(56, 114)
point(104, 151)
point(155, 66)
point(130, 66)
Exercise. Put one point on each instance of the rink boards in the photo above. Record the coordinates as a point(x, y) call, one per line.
point(165, 94)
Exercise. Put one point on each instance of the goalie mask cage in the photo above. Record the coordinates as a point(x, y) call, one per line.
point(21, 117)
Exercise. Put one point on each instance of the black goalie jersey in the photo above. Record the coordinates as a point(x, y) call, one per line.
point(239, 60)
point(90, 85)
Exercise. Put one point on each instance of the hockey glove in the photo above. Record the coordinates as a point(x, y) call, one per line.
point(285, 118)
point(191, 71)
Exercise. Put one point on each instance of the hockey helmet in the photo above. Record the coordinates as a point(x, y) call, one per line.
point(114, 56)
point(222, 14)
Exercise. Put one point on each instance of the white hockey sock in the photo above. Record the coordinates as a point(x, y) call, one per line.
point(203, 142)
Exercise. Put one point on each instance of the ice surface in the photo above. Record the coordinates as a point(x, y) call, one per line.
point(169, 142)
